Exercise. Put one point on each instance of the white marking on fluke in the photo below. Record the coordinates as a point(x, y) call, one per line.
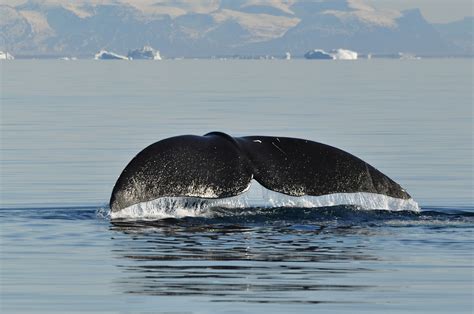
point(257, 196)
point(257, 141)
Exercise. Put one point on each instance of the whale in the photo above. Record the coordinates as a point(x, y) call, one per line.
point(217, 167)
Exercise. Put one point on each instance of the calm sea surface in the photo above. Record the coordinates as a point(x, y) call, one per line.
point(69, 128)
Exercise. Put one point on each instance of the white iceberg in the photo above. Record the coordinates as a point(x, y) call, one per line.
point(107, 55)
point(147, 53)
point(336, 54)
point(344, 54)
point(6, 56)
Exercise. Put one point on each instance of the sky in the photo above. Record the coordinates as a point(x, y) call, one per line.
point(435, 11)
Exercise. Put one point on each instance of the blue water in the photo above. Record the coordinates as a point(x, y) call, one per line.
point(69, 128)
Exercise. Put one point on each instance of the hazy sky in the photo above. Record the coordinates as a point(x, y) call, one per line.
point(433, 10)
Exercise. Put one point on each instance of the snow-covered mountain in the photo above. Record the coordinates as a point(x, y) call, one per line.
point(219, 27)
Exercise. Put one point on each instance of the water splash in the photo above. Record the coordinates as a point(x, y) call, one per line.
point(103, 212)
point(258, 196)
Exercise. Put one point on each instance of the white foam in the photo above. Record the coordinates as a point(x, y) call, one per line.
point(257, 196)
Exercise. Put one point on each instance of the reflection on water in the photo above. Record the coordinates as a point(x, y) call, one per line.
point(279, 261)
point(257, 264)
point(254, 258)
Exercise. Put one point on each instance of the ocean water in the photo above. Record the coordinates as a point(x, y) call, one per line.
point(69, 128)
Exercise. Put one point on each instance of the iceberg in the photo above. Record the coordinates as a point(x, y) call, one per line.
point(107, 55)
point(6, 56)
point(147, 53)
point(344, 54)
point(335, 54)
point(318, 54)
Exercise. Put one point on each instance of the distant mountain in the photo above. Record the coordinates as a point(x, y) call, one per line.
point(201, 28)
point(459, 33)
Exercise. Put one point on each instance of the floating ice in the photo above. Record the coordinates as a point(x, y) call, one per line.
point(336, 54)
point(147, 53)
point(4, 55)
point(344, 54)
point(318, 54)
point(107, 55)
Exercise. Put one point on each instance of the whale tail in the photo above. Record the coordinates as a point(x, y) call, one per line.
point(216, 166)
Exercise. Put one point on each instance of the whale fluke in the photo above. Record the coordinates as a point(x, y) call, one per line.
point(217, 165)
